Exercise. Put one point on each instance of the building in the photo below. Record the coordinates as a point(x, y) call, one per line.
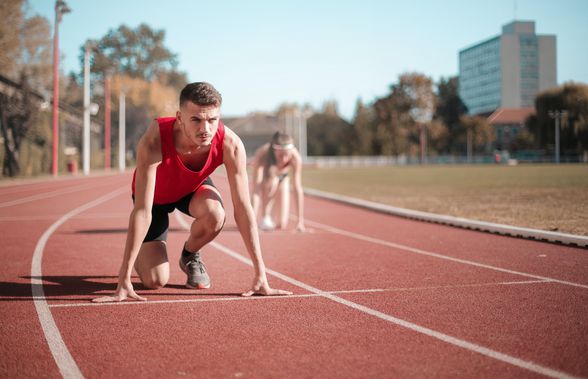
point(254, 129)
point(508, 123)
point(507, 71)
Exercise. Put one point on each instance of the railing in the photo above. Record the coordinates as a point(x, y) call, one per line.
point(401, 160)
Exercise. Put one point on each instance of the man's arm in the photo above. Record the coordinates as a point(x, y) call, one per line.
point(235, 161)
point(298, 192)
point(148, 157)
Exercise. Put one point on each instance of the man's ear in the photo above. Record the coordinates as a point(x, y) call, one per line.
point(179, 116)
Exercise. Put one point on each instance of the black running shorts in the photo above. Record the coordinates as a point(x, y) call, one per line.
point(160, 215)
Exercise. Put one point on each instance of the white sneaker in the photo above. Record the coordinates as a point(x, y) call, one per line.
point(267, 224)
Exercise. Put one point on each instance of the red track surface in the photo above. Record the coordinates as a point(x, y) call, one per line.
point(375, 296)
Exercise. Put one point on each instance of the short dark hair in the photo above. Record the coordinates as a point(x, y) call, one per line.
point(201, 93)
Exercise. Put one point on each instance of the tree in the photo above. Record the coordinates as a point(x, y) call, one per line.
point(12, 19)
point(141, 65)
point(450, 108)
point(26, 58)
point(481, 133)
point(363, 130)
point(35, 58)
point(16, 115)
point(328, 133)
point(145, 101)
point(398, 115)
point(138, 53)
point(571, 97)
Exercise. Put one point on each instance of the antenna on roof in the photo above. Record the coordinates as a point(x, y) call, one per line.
point(515, 10)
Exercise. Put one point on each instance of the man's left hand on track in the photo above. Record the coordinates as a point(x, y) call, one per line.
point(261, 287)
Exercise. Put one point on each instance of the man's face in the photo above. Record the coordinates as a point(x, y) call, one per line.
point(200, 123)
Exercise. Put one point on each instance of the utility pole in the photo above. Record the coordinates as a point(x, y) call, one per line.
point(107, 121)
point(60, 9)
point(86, 133)
point(121, 131)
point(557, 115)
point(423, 142)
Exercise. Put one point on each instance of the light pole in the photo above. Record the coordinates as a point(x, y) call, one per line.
point(469, 144)
point(60, 9)
point(423, 142)
point(89, 109)
point(557, 115)
point(122, 131)
point(86, 134)
point(107, 121)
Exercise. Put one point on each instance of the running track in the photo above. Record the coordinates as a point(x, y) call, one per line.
point(374, 296)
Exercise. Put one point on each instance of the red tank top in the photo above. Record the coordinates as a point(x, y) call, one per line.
point(174, 180)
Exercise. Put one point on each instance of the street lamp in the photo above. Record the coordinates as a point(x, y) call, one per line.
point(122, 130)
point(557, 115)
point(90, 109)
point(60, 9)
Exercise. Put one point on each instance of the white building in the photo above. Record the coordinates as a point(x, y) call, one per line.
point(507, 71)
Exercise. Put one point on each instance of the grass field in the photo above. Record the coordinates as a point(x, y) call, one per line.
point(548, 197)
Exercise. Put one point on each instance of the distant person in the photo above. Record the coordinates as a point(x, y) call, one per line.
point(272, 165)
point(175, 157)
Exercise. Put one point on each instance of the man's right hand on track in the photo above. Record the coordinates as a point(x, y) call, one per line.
point(124, 290)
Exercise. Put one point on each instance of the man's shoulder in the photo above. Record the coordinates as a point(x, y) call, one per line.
point(152, 137)
point(231, 138)
point(149, 146)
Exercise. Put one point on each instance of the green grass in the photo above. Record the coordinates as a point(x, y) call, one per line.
point(549, 197)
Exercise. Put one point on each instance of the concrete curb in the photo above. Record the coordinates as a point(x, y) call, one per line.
point(513, 231)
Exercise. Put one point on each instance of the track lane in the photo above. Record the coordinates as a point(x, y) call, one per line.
point(27, 354)
point(103, 235)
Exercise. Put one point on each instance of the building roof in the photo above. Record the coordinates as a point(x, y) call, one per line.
point(510, 115)
point(254, 124)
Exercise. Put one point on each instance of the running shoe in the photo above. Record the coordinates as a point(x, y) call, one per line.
point(267, 224)
point(194, 268)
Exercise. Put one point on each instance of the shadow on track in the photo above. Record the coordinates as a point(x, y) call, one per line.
point(62, 287)
point(114, 231)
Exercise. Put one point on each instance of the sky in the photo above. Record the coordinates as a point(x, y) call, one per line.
point(262, 53)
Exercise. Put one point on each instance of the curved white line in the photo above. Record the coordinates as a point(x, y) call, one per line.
point(65, 362)
point(46, 195)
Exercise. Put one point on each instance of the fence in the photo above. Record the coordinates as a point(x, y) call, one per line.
point(535, 156)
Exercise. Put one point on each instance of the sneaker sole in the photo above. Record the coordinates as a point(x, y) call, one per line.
point(199, 286)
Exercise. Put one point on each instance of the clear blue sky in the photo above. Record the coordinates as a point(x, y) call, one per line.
point(260, 53)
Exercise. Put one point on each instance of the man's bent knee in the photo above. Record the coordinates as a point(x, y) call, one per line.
point(214, 220)
point(154, 283)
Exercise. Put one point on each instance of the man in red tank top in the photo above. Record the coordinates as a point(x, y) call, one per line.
point(175, 157)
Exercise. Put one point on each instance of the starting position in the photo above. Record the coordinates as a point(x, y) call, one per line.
point(175, 157)
point(271, 183)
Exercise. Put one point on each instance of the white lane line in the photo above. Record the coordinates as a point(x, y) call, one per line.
point(199, 300)
point(362, 237)
point(233, 298)
point(528, 365)
point(52, 217)
point(65, 362)
point(47, 195)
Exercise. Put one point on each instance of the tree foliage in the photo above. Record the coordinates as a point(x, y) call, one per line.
point(449, 110)
point(138, 53)
point(25, 59)
point(482, 133)
point(12, 20)
point(16, 116)
point(328, 133)
point(571, 98)
point(410, 102)
point(363, 129)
